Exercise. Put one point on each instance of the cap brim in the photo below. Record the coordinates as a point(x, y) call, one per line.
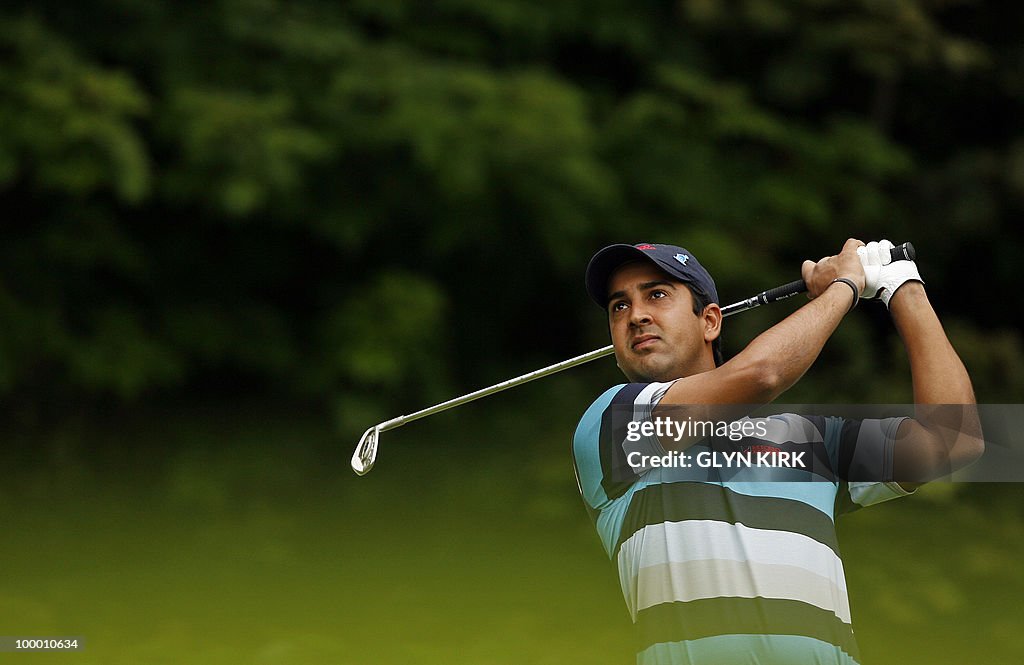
point(607, 261)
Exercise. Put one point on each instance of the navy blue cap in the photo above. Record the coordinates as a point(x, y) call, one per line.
point(675, 261)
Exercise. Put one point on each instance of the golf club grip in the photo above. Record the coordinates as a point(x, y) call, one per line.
point(784, 291)
point(904, 252)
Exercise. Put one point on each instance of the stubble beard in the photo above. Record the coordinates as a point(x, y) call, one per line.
point(655, 370)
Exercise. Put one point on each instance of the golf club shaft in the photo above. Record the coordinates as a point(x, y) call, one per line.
point(497, 388)
point(787, 289)
point(366, 451)
point(902, 252)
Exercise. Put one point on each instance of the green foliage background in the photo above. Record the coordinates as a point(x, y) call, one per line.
point(237, 233)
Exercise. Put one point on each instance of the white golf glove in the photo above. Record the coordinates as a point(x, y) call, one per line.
point(882, 275)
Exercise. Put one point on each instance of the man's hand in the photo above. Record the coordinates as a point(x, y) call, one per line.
point(885, 276)
point(847, 264)
point(873, 256)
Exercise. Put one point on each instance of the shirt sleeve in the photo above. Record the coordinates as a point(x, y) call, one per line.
point(864, 451)
point(603, 441)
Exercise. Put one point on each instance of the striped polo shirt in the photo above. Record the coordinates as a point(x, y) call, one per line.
point(736, 565)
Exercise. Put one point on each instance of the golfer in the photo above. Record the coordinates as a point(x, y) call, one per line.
point(738, 563)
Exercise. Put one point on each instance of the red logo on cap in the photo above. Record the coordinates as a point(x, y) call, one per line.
point(646, 247)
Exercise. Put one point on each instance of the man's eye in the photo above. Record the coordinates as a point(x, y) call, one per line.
point(658, 294)
point(618, 307)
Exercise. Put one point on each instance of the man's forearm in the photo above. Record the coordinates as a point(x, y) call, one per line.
point(942, 392)
point(778, 357)
point(789, 348)
point(938, 374)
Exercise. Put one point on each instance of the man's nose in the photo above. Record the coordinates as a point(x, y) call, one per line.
point(639, 316)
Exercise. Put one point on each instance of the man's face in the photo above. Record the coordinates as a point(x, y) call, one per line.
point(656, 335)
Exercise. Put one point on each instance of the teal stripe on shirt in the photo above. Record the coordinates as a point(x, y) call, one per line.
point(818, 494)
point(746, 650)
point(586, 451)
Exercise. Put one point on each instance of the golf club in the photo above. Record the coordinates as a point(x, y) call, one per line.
point(366, 452)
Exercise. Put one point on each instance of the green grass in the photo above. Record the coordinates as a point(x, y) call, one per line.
point(244, 538)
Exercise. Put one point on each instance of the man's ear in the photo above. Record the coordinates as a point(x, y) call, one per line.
point(712, 316)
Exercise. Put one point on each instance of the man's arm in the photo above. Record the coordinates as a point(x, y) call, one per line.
point(945, 433)
point(778, 357)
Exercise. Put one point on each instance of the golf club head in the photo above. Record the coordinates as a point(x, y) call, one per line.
point(366, 452)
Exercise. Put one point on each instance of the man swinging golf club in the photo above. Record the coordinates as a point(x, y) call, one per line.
point(728, 564)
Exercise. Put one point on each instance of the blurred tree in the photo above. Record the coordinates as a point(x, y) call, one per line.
point(314, 198)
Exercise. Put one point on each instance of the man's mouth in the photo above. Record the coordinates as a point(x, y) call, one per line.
point(644, 341)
